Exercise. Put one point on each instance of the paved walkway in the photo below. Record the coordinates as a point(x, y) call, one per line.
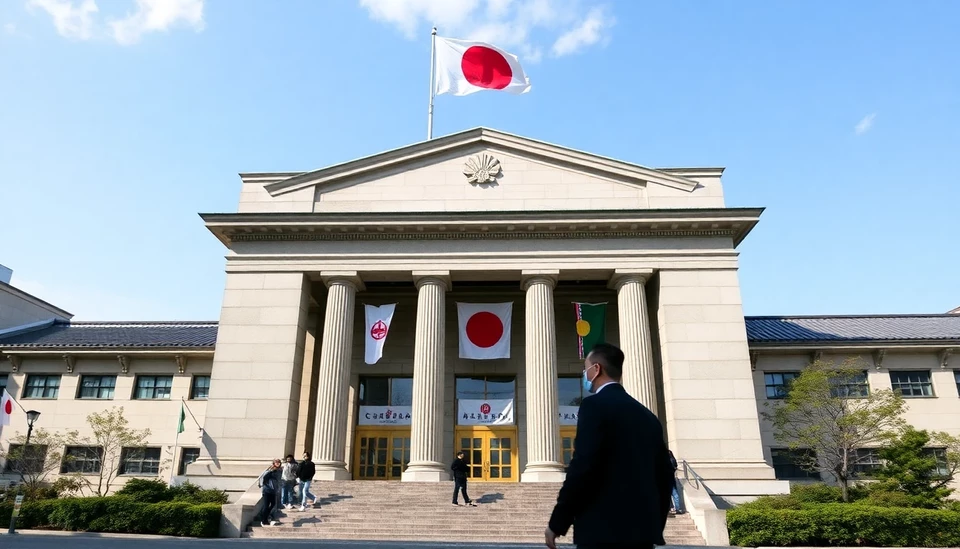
point(56, 540)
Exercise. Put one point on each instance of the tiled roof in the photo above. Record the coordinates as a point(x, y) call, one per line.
point(854, 329)
point(760, 329)
point(97, 335)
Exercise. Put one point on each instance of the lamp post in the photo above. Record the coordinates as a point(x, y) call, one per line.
point(32, 417)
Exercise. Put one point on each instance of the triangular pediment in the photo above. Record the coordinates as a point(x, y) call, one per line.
point(484, 169)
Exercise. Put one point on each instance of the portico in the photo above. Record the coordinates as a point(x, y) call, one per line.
point(549, 227)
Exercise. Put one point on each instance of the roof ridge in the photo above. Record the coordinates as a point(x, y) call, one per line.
point(138, 322)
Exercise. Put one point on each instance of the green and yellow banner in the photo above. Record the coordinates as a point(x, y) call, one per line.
point(591, 325)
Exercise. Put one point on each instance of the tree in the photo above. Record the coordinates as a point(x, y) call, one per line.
point(827, 414)
point(38, 461)
point(912, 467)
point(112, 435)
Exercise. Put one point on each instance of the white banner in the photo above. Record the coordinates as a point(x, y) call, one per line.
point(384, 415)
point(378, 325)
point(485, 412)
point(569, 414)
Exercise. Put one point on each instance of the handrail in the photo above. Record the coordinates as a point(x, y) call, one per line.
point(691, 476)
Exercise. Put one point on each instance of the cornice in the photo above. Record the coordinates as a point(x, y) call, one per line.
point(734, 223)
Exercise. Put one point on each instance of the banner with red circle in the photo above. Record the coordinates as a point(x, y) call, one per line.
point(485, 412)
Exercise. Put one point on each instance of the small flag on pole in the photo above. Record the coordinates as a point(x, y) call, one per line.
point(591, 325)
point(183, 416)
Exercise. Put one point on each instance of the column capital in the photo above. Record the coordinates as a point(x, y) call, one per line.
point(622, 276)
point(541, 276)
point(441, 278)
point(349, 278)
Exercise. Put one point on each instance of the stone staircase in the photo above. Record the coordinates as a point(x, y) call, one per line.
point(391, 511)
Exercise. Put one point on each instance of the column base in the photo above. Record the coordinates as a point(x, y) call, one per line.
point(543, 472)
point(425, 472)
point(332, 471)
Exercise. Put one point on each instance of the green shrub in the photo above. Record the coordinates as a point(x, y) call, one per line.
point(118, 514)
point(817, 493)
point(837, 524)
point(156, 491)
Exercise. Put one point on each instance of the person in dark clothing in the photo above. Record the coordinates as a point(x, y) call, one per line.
point(305, 472)
point(460, 469)
point(676, 495)
point(269, 483)
point(610, 505)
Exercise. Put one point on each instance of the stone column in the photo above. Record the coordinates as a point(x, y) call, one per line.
point(330, 436)
point(638, 370)
point(426, 432)
point(543, 435)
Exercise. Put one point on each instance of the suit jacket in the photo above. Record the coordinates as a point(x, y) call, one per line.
point(620, 480)
point(459, 468)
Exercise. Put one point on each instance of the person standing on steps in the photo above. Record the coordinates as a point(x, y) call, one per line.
point(269, 483)
point(677, 498)
point(288, 479)
point(460, 469)
point(610, 505)
point(305, 472)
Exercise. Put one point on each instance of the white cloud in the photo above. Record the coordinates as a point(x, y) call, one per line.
point(10, 29)
point(865, 124)
point(78, 19)
point(72, 19)
point(155, 16)
point(590, 31)
point(519, 26)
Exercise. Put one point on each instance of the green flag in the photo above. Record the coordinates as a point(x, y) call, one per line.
point(591, 325)
point(183, 416)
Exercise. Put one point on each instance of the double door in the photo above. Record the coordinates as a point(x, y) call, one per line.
point(567, 437)
point(381, 454)
point(490, 453)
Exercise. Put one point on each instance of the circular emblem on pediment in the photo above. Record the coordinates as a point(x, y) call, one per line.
point(482, 168)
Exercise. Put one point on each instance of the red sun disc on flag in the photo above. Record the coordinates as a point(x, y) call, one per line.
point(8, 408)
point(485, 408)
point(486, 68)
point(379, 330)
point(484, 329)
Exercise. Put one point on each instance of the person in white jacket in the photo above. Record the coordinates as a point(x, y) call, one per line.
point(288, 480)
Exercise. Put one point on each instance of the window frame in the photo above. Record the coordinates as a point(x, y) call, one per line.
point(835, 387)
point(126, 459)
point(193, 387)
point(182, 467)
point(939, 453)
point(956, 379)
point(67, 462)
point(363, 389)
point(42, 458)
point(793, 470)
point(784, 383)
point(153, 388)
point(98, 388)
point(24, 395)
point(486, 386)
point(912, 384)
point(579, 386)
point(864, 469)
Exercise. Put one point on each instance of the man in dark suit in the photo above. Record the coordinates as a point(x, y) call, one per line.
point(619, 482)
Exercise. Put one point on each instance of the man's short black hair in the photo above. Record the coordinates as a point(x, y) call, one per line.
point(610, 357)
point(306, 454)
point(460, 453)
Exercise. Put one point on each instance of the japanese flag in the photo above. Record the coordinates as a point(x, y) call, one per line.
point(378, 326)
point(464, 67)
point(6, 408)
point(484, 330)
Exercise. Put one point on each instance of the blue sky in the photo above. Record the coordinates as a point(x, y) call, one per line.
point(121, 119)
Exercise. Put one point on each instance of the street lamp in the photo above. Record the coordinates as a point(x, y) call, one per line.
point(32, 417)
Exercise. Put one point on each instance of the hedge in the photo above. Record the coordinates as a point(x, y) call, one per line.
point(118, 514)
point(837, 524)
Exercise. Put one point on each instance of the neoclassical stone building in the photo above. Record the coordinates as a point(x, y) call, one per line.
point(478, 217)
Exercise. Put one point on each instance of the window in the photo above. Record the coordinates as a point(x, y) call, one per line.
point(570, 391)
point(42, 387)
point(788, 463)
point(200, 388)
point(866, 462)
point(778, 383)
point(140, 461)
point(956, 378)
point(28, 461)
point(153, 387)
point(850, 387)
point(100, 387)
point(82, 459)
point(3, 383)
point(912, 384)
point(188, 456)
point(386, 391)
point(940, 454)
point(486, 388)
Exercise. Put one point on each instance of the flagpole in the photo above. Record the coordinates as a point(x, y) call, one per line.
point(173, 468)
point(433, 74)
